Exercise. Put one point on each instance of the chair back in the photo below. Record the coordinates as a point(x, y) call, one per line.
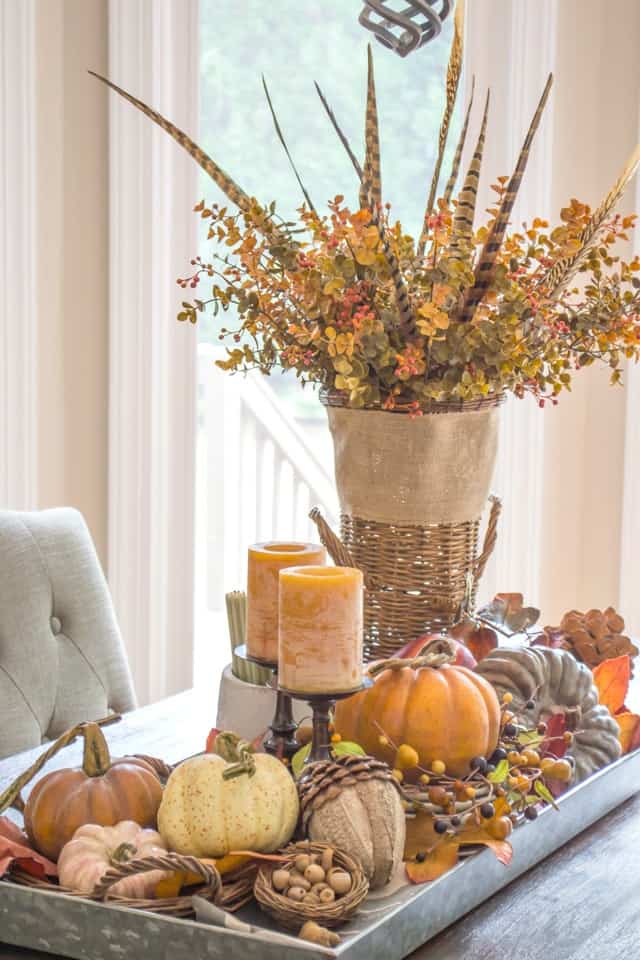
point(62, 659)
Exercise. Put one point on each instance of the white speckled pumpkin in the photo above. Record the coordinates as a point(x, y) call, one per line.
point(230, 800)
point(94, 849)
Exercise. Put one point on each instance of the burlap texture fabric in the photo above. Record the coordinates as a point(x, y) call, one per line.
point(412, 492)
point(434, 468)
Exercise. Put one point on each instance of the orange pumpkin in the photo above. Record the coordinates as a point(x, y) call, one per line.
point(443, 711)
point(101, 792)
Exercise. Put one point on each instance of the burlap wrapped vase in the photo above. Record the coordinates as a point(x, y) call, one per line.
point(412, 491)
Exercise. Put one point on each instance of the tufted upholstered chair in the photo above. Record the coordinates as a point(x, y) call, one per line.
point(61, 654)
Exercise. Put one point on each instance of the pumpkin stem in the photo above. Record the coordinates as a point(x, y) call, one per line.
point(238, 753)
point(11, 796)
point(95, 760)
point(123, 853)
point(436, 653)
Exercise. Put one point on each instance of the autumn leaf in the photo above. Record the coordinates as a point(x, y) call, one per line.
point(629, 735)
point(420, 835)
point(439, 861)
point(612, 678)
point(506, 610)
point(480, 641)
point(554, 741)
point(421, 838)
point(15, 849)
point(501, 848)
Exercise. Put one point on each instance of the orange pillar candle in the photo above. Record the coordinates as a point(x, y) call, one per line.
point(266, 560)
point(320, 648)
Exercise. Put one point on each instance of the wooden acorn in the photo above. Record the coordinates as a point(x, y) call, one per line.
point(353, 803)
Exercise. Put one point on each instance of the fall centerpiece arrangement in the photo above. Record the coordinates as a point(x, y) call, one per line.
point(446, 749)
point(430, 741)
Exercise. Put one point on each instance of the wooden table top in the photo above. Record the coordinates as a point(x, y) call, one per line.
point(579, 903)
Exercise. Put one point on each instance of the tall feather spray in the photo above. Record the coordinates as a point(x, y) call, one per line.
point(407, 322)
point(462, 226)
point(487, 260)
point(228, 186)
point(282, 140)
point(457, 158)
point(371, 189)
point(562, 271)
point(454, 71)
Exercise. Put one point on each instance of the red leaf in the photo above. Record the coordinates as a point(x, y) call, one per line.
point(612, 677)
point(554, 736)
point(15, 848)
point(482, 641)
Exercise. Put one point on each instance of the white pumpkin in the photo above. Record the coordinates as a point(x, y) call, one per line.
point(94, 849)
point(211, 807)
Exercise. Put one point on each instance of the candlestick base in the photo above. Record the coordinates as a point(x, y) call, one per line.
point(321, 705)
point(280, 739)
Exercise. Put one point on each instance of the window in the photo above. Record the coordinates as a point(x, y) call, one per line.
point(264, 450)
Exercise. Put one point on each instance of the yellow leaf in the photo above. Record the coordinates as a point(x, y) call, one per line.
point(333, 286)
point(438, 861)
point(365, 257)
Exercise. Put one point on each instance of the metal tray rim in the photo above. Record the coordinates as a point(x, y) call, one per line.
point(408, 918)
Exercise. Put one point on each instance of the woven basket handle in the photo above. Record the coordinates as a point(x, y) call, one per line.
point(173, 862)
point(336, 549)
point(490, 537)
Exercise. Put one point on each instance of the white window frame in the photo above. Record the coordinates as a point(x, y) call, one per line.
point(18, 244)
point(154, 53)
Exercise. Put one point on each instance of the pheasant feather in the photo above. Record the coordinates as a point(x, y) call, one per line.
point(457, 158)
point(462, 227)
point(226, 184)
point(563, 270)
point(285, 147)
point(372, 142)
point(405, 312)
point(454, 71)
point(487, 260)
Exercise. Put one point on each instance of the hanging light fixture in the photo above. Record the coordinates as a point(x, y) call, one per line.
point(408, 28)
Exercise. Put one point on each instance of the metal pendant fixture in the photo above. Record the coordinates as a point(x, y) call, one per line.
point(405, 28)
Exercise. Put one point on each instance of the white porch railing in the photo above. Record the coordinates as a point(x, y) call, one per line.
point(258, 476)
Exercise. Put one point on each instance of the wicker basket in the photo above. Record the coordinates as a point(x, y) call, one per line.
point(412, 492)
point(233, 893)
point(293, 915)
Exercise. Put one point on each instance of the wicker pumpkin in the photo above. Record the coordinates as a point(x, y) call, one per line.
point(101, 792)
point(556, 683)
point(229, 800)
point(445, 712)
point(93, 850)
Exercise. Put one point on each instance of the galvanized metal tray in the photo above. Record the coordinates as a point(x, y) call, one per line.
point(387, 928)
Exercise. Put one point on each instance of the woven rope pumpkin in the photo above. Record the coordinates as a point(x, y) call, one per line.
point(555, 682)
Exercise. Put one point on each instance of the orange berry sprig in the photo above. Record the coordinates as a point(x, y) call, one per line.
point(460, 801)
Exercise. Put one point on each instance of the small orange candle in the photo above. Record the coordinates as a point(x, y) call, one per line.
point(320, 648)
point(266, 560)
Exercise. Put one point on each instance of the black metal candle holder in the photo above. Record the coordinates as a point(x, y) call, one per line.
point(280, 740)
point(321, 706)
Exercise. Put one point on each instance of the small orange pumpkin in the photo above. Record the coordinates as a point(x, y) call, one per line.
point(101, 792)
point(445, 712)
